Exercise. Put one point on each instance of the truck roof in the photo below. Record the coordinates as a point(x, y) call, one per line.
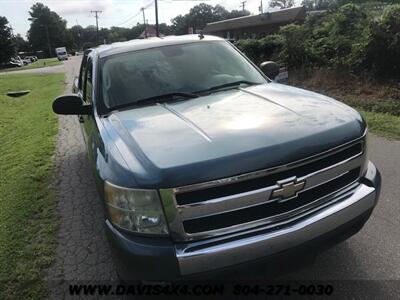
point(153, 42)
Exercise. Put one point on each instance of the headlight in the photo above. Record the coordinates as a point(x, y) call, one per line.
point(135, 210)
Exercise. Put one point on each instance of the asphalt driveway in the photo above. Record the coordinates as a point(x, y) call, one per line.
point(83, 252)
point(44, 70)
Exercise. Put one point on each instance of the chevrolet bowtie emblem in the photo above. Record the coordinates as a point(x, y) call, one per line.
point(287, 190)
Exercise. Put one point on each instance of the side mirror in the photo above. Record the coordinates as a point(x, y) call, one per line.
point(71, 105)
point(270, 69)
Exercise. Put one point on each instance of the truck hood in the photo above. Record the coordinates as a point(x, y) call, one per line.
point(228, 133)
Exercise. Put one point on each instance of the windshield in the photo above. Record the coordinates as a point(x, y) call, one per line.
point(187, 68)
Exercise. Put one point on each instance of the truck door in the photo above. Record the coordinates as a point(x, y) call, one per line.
point(88, 125)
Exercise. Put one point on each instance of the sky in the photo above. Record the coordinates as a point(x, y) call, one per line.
point(123, 13)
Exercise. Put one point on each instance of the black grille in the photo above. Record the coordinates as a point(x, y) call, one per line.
point(268, 180)
point(269, 209)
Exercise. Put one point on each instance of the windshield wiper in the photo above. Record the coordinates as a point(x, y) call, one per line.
point(230, 84)
point(157, 99)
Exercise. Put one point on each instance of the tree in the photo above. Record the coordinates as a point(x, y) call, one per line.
point(89, 37)
point(202, 14)
point(76, 34)
point(317, 4)
point(180, 24)
point(136, 31)
point(334, 4)
point(83, 38)
point(7, 47)
point(281, 3)
point(48, 30)
point(20, 44)
point(383, 48)
point(267, 48)
point(165, 29)
point(237, 13)
point(220, 13)
point(294, 50)
point(359, 2)
point(340, 40)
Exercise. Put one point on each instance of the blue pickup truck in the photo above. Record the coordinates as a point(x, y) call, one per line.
point(204, 163)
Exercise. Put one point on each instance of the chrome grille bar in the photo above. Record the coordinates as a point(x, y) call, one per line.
point(243, 200)
point(177, 214)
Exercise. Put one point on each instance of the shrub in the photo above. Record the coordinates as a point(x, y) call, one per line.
point(267, 48)
point(347, 39)
point(294, 52)
point(339, 41)
point(383, 49)
point(251, 48)
point(270, 47)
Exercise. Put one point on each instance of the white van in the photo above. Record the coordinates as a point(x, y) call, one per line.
point(62, 53)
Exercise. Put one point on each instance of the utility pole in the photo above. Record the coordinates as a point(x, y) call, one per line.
point(96, 15)
point(157, 29)
point(144, 23)
point(261, 8)
point(243, 4)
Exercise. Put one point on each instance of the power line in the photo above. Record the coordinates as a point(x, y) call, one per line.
point(129, 19)
point(150, 3)
point(144, 23)
point(96, 15)
point(136, 14)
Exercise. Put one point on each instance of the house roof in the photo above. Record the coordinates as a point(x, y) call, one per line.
point(287, 15)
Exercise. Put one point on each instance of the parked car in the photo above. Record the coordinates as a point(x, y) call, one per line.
point(31, 58)
point(203, 163)
point(17, 61)
point(24, 61)
point(11, 64)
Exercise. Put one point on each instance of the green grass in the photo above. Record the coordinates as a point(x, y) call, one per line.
point(28, 224)
point(41, 63)
point(46, 62)
point(383, 124)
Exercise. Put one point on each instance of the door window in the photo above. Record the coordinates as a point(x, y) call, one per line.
point(82, 72)
point(88, 86)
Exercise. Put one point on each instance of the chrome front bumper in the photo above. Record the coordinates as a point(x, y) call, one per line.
point(209, 255)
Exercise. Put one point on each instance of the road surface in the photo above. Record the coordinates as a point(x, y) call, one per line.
point(44, 70)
